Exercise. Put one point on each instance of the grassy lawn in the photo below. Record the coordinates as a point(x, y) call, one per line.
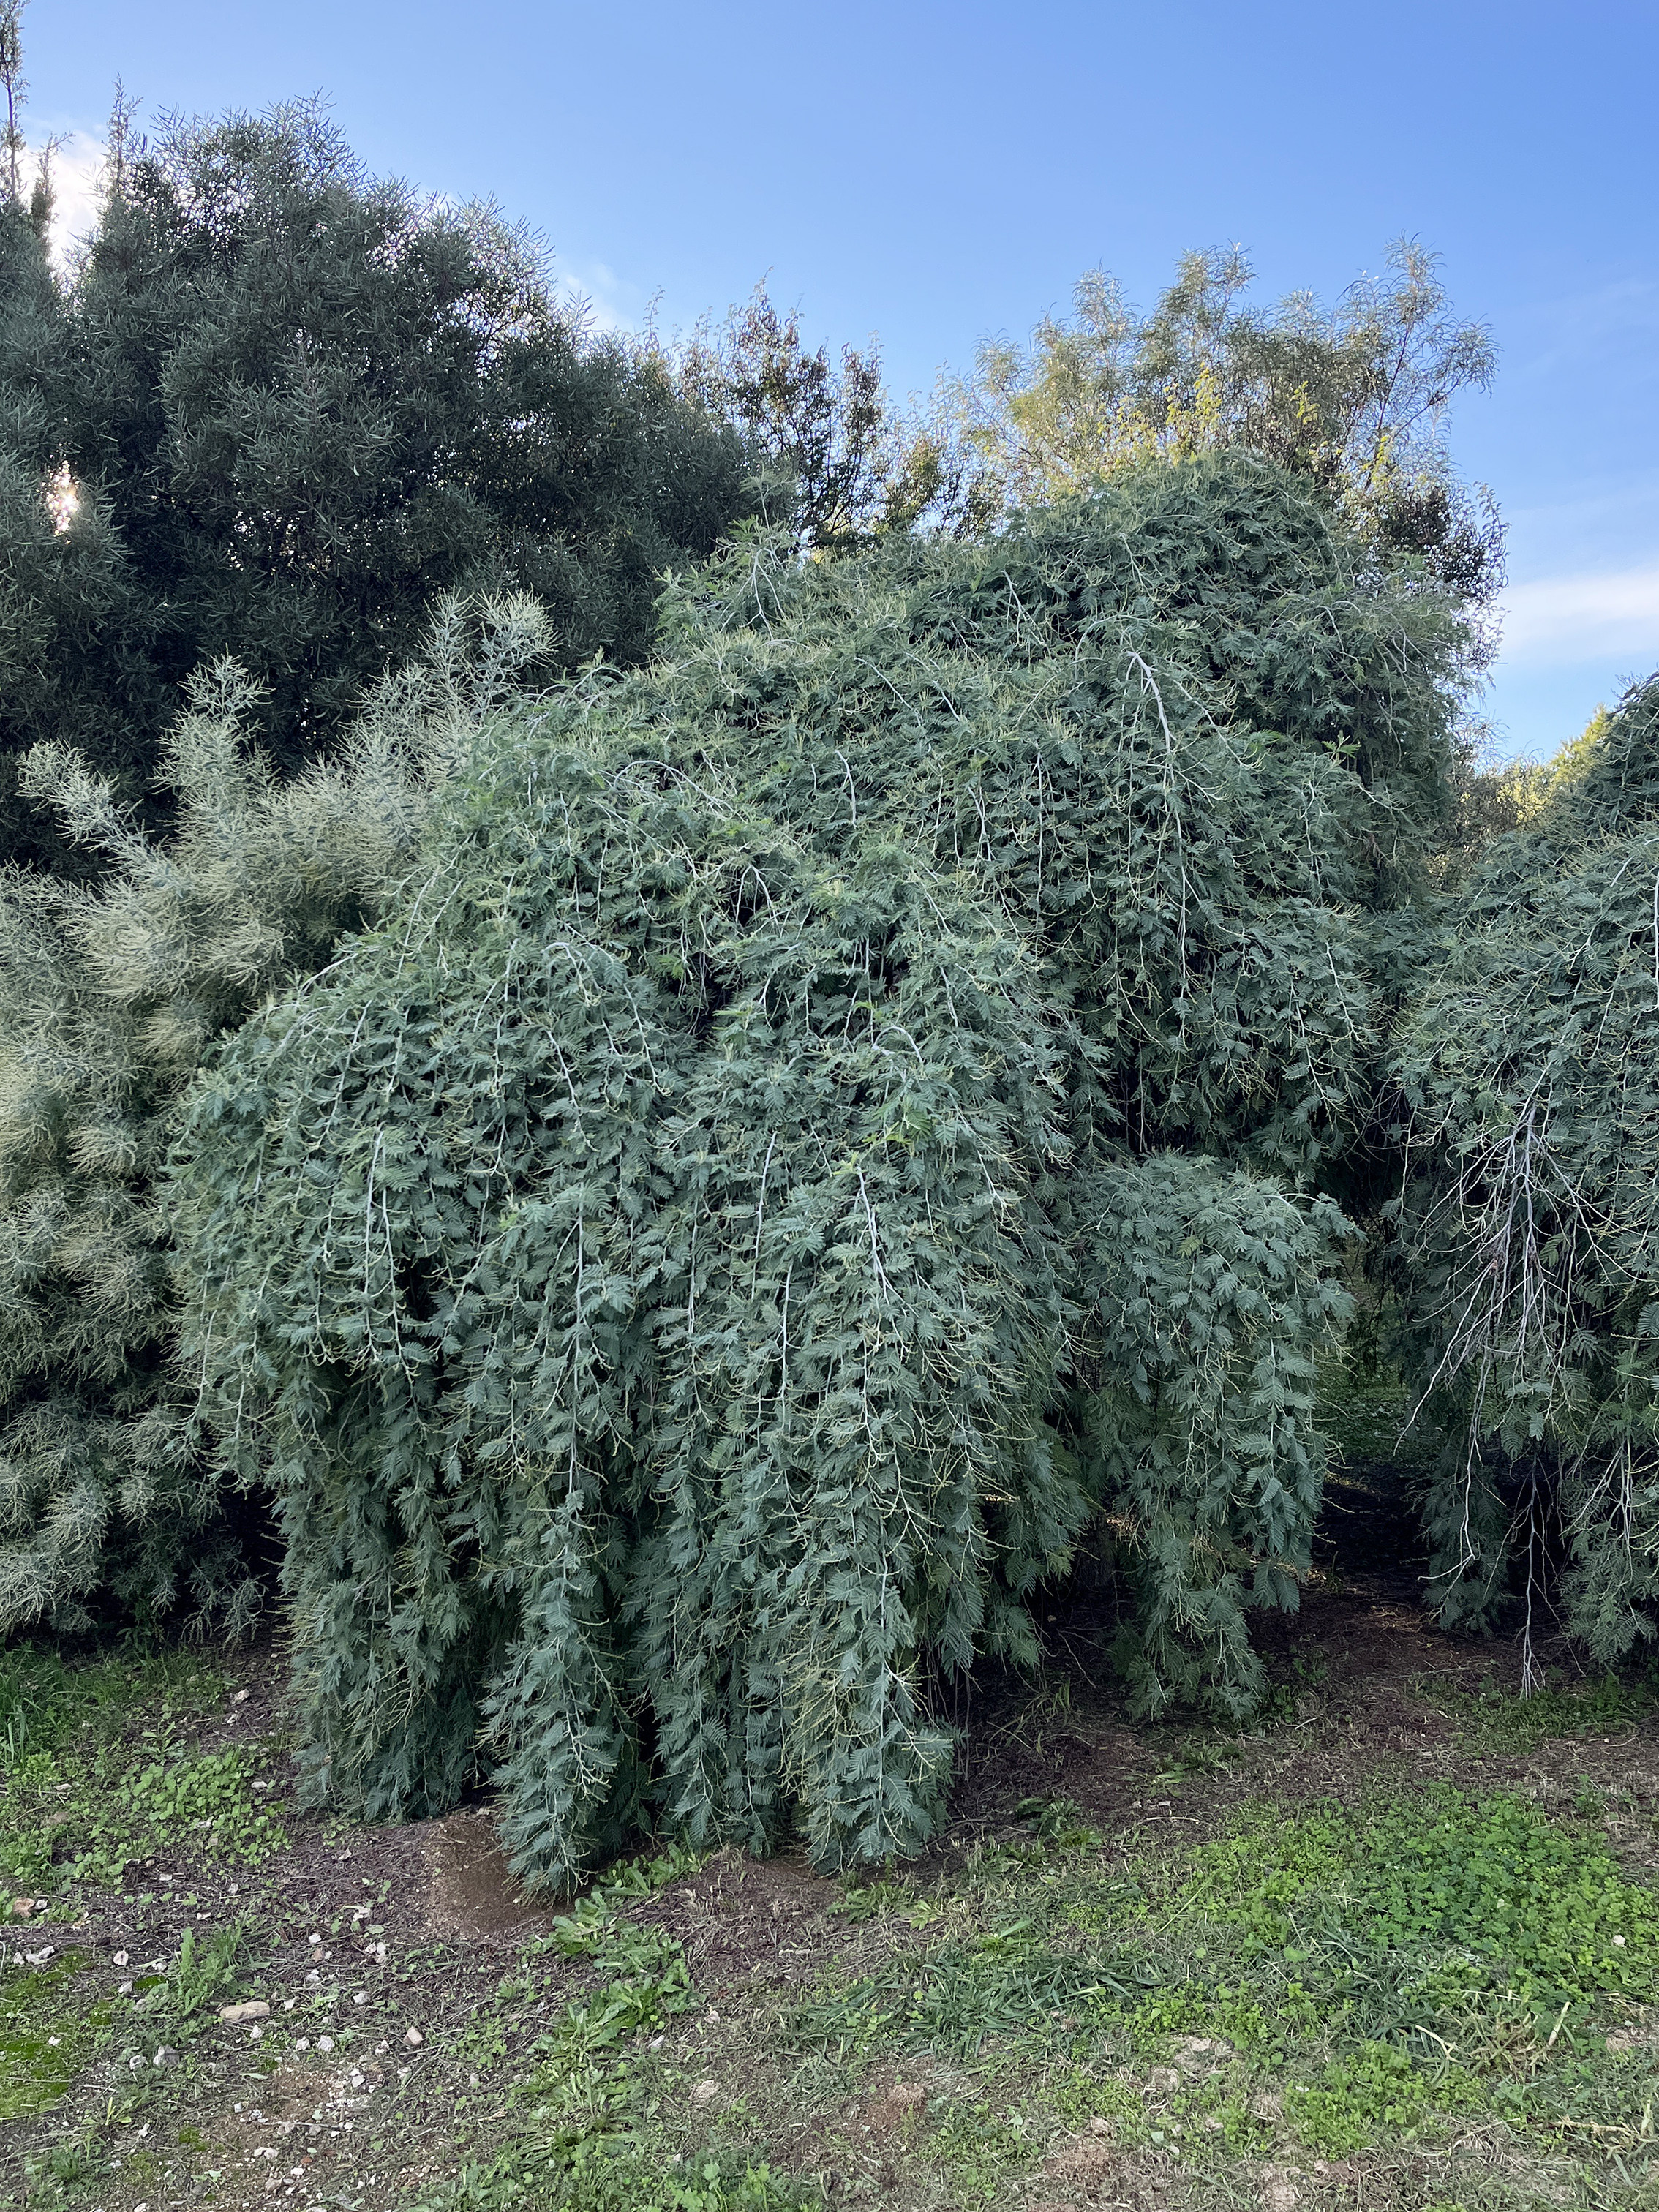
point(1396, 1946)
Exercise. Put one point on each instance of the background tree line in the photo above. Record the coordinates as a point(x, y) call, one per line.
point(272, 406)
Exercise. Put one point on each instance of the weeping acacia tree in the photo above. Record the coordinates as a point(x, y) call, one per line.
point(837, 1121)
point(1527, 1230)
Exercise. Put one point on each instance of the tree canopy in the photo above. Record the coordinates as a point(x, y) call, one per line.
point(1352, 397)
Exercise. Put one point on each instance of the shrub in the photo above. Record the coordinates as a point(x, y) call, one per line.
point(108, 997)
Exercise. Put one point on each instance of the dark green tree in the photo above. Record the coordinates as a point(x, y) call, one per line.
point(859, 464)
point(64, 585)
point(1527, 1243)
point(277, 405)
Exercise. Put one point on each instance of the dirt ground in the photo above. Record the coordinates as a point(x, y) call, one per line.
point(413, 1987)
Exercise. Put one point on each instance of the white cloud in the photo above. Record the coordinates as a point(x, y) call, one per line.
point(77, 164)
point(612, 303)
point(1560, 620)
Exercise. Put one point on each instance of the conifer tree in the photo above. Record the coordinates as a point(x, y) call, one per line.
point(1528, 1102)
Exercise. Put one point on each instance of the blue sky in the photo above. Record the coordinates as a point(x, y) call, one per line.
point(931, 173)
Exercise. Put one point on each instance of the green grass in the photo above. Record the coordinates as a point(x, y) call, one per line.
point(590, 2143)
point(1379, 1974)
point(1381, 1980)
point(1501, 1722)
point(47, 2035)
point(95, 1771)
point(611, 2180)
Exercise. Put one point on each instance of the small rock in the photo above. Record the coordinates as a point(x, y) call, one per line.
point(413, 2038)
point(325, 2042)
point(122, 1957)
point(705, 2092)
point(234, 2014)
point(164, 2057)
point(22, 1908)
point(240, 1697)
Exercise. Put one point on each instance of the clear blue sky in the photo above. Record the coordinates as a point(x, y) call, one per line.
point(930, 174)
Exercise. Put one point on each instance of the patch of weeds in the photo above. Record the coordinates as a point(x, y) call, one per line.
point(607, 2178)
point(1196, 1753)
point(892, 1897)
point(1007, 1982)
point(993, 1861)
point(1318, 1981)
point(482, 2045)
point(872, 1900)
point(45, 2037)
point(1082, 2096)
point(649, 1984)
point(203, 1975)
point(1492, 1903)
point(69, 1765)
point(982, 2146)
point(208, 1801)
point(594, 1915)
point(1104, 1902)
point(1289, 1701)
point(48, 1702)
point(611, 2018)
point(1377, 2091)
point(1222, 2010)
point(1060, 1824)
point(1364, 1415)
point(71, 2163)
point(1499, 1721)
